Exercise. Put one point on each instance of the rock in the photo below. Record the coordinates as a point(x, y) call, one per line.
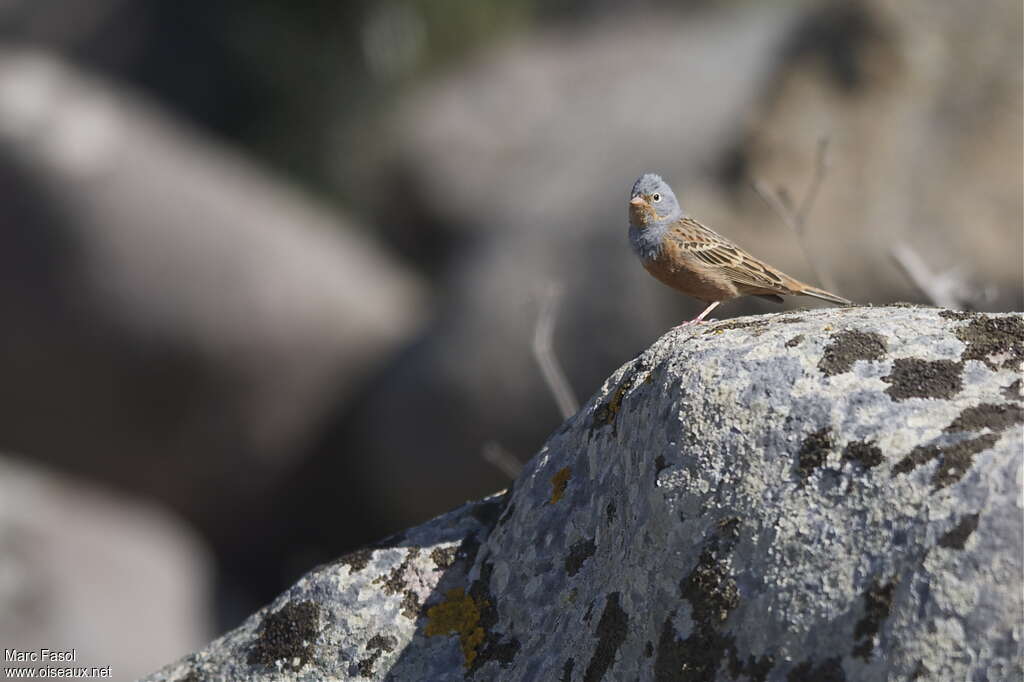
point(182, 315)
point(809, 495)
point(81, 568)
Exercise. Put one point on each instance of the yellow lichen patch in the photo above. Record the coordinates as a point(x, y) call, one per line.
point(558, 483)
point(458, 614)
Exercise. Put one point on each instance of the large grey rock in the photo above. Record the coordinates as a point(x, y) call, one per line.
point(81, 567)
point(804, 496)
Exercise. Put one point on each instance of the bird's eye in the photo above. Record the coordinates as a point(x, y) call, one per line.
point(656, 197)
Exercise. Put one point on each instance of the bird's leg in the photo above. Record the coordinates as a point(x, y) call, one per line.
point(700, 318)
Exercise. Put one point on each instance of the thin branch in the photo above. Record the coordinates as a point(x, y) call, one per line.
point(502, 459)
point(945, 289)
point(543, 351)
point(820, 171)
point(796, 219)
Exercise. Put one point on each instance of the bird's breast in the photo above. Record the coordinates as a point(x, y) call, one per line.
point(675, 267)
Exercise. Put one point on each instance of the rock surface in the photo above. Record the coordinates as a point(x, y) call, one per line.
point(830, 495)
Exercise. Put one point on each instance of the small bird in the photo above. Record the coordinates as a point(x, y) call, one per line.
point(691, 258)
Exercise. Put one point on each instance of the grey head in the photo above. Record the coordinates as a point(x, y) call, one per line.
point(653, 208)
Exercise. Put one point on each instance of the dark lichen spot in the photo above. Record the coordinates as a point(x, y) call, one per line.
point(377, 646)
point(866, 454)
point(365, 666)
point(648, 649)
point(814, 451)
point(610, 511)
point(829, 670)
point(567, 670)
point(753, 324)
point(673, 661)
point(877, 604)
point(921, 672)
point(916, 378)
point(959, 458)
point(790, 320)
point(380, 642)
point(502, 651)
point(394, 582)
point(756, 669)
point(911, 306)
point(956, 315)
point(1013, 391)
point(659, 465)
point(410, 604)
point(357, 560)
point(988, 415)
point(957, 536)
point(495, 647)
point(996, 341)
point(713, 595)
point(589, 613)
point(847, 348)
point(727, 532)
point(287, 635)
point(559, 482)
point(795, 341)
point(954, 459)
point(611, 633)
point(578, 553)
point(922, 454)
point(443, 557)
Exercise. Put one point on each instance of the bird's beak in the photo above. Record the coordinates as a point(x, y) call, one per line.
point(637, 201)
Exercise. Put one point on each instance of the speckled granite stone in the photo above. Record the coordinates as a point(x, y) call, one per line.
point(826, 495)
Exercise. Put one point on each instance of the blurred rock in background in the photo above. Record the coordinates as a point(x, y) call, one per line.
point(118, 580)
point(300, 366)
point(921, 106)
point(178, 320)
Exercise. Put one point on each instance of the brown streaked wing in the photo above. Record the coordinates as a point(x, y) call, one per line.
point(714, 250)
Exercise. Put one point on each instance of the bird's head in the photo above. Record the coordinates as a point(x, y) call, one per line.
point(652, 201)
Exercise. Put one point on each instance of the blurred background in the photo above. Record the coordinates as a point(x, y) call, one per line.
point(270, 272)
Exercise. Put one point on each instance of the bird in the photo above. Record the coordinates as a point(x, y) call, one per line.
point(690, 257)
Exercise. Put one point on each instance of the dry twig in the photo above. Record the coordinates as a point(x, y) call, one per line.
point(502, 459)
point(543, 351)
point(948, 289)
point(796, 218)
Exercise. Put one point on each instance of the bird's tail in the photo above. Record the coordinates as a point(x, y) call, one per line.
point(824, 295)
